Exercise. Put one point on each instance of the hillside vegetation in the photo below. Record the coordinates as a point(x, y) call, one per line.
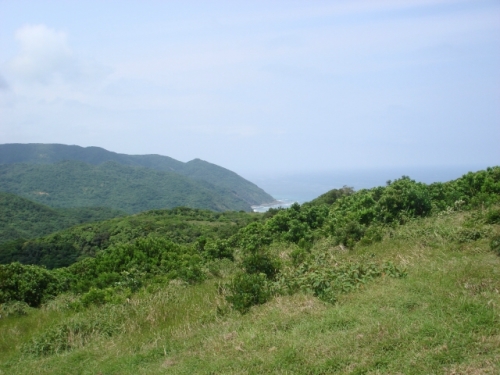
point(130, 189)
point(397, 279)
point(181, 225)
point(213, 177)
point(24, 219)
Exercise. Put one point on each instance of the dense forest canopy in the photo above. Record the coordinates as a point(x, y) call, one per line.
point(22, 218)
point(215, 178)
point(130, 189)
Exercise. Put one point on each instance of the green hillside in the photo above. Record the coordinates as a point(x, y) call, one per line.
point(181, 225)
point(399, 279)
point(23, 218)
point(130, 189)
point(224, 179)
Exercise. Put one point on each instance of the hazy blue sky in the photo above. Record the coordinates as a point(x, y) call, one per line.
point(272, 86)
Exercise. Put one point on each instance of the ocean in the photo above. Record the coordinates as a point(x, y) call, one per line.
point(304, 187)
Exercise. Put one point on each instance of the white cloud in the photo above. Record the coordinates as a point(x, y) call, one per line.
point(44, 56)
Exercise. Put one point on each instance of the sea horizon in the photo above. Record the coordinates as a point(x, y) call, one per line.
point(287, 188)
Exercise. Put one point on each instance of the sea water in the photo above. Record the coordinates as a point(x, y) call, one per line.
point(303, 187)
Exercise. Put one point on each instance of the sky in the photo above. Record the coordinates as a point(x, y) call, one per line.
point(258, 86)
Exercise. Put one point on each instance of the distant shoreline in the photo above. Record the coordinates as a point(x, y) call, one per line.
point(275, 204)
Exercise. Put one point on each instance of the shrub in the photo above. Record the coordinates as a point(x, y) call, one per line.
point(218, 249)
point(247, 290)
point(493, 216)
point(261, 264)
point(372, 234)
point(30, 284)
point(95, 297)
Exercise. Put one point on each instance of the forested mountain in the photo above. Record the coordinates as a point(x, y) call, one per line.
point(23, 218)
point(121, 187)
point(195, 169)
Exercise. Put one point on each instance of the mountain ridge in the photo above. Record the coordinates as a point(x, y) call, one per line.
point(196, 169)
point(131, 189)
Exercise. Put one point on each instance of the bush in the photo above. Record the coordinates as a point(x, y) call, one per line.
point(218, 249)
point(30, 284)
point(402, 199)
point(248, 290)
point(372, 234)
point(95, 297)
point(261, 263)
point(493, 216)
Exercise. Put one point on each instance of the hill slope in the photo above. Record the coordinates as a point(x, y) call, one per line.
point(400, 279)
point(195, 169)
point(130, 189)
point(181, 225)
point(23, 218)
point(442, 318)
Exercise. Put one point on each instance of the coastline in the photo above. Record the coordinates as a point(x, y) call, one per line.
point(284, 203)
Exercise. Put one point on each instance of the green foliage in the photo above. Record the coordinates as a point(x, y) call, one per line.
point(298, 255)
point(261, 264)
point(446, 314)
point(146, 257)
point(181, 225)
point(102, 296)
point(129, 189)
point(403, 199)
point(121, 266)
point(30, 284)
point(254, 237)
point(211, 176)
point(493, 216)
point(161, 245)
point(218, 249)
point(325, 280)
point(24, 219)
point(247, 290)
point(352, 216)
point(332, 196)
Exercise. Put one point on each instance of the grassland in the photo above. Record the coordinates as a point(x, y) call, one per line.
point(442, 318)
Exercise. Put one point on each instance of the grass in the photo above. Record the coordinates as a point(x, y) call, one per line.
point(443, 318)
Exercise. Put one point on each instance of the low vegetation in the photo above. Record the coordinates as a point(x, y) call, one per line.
point(396, 279)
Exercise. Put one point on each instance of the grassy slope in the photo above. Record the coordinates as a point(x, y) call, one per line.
point(442, 319)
